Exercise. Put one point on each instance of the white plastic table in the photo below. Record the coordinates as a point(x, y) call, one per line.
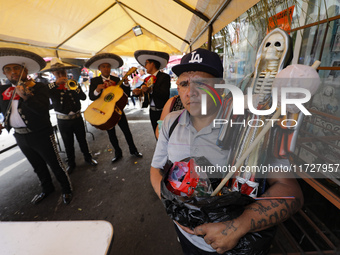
point(56, 237)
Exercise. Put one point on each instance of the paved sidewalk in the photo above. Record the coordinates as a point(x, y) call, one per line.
point(120, 193)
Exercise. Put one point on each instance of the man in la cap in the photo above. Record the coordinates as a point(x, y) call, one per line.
point(104, 62)
point(26, 110)
point(66, 103)
point(157, 92)
point(193, 134)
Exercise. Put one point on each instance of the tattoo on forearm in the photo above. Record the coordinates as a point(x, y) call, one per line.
point(274, 203)
point(229, 226)
point(271, 216)
point(199, 229)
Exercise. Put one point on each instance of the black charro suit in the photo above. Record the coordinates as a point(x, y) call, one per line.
point(160, 95)
point(123, 124)
point(38, 144)
point(66, 102)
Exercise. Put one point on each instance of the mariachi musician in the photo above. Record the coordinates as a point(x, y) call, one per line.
point(104, 62)
point(157, 92)
point(25, 106)
point(66, 95)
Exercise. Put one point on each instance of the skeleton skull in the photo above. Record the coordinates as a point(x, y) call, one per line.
point(274, 47)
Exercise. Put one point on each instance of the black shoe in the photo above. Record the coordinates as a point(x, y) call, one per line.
point(137, 154)
point(70, 168)
point(116, 158)
point(67, 198)
point(91, 161)
point(40, 197)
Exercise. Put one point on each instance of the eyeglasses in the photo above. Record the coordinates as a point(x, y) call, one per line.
point(9, 69)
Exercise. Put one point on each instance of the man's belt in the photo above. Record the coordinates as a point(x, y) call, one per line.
point(22, 130)
point(68, 117)
point(155, 109)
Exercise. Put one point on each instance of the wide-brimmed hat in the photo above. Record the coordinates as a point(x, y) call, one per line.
point(33, 62)
point(56, 64)
point(104, 58)
point(200, 60)
point(143, 55)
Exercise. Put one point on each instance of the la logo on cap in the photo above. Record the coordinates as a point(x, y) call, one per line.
point(195, 58)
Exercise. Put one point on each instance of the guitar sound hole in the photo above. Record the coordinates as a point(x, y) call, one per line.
point(109, 97)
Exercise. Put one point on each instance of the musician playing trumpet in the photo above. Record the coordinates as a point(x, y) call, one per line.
point(66, 95)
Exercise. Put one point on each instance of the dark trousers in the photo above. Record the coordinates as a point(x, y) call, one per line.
point(40, 149)
point(154, 117)
point(69, 128)
point(124, 126)
point(133, 100)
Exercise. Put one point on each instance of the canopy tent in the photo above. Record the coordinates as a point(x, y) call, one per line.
point(82, 28)
point(175, 60)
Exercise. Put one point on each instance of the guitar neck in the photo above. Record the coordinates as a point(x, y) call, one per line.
point(131, 70)
point(121, 81)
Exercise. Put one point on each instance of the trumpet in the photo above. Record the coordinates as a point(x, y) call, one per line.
point(71, 84)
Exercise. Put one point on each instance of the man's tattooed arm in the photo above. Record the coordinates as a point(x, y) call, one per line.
point(260, 215)
point(271, 216)
point(266, 213)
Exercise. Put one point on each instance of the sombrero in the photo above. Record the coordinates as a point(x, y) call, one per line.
point(114, 60)
point(33, 62)
point(143, 55)
point(56, 64)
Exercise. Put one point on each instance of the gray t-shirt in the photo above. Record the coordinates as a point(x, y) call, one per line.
point(186, 142)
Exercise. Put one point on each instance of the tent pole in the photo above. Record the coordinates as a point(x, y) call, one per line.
point(209, 36)
point(196, 12)
point(212, 20)
point(87, 24)
point(149, 19)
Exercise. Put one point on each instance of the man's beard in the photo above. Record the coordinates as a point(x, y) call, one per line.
point(15, 81)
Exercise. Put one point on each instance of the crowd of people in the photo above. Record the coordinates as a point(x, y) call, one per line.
point(181, 131)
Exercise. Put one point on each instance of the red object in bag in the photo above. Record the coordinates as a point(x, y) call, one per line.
point(183, 178)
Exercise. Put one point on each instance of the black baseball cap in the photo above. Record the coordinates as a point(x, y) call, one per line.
point(200, 60)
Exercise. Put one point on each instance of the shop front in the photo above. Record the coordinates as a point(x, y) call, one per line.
point(314, 27)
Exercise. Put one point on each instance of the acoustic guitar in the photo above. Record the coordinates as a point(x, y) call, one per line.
point(105, 112)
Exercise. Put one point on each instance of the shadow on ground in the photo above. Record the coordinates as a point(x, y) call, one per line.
point(120, 193)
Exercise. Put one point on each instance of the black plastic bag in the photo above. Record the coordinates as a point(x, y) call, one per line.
point(194, 211)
